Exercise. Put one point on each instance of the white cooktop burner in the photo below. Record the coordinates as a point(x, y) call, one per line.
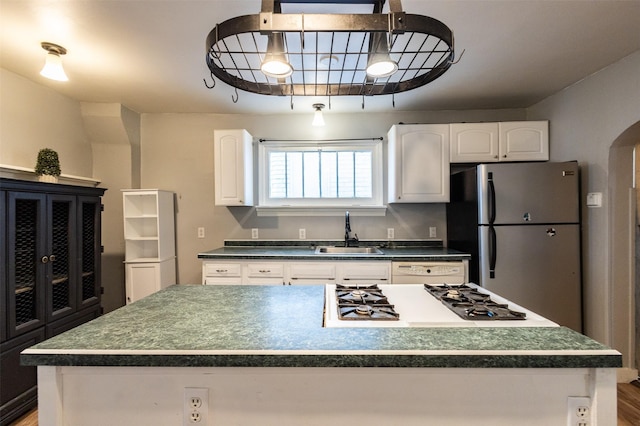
point(418, 308)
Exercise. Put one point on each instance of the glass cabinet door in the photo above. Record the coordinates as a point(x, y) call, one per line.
point(89, 209)
point(26, 265)
point(61, 277)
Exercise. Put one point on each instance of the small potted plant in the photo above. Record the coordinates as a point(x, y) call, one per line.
point(48, 165)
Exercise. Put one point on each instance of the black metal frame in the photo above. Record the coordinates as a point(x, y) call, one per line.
point(422, 47)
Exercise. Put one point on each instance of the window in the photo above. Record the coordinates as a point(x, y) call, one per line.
point(320, 174)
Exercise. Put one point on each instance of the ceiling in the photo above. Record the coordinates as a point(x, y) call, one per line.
point(149, 55)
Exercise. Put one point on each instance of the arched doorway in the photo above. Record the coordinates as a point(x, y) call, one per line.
point(624, 245)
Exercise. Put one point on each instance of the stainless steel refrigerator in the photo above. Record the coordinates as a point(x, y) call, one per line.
point(521, 224)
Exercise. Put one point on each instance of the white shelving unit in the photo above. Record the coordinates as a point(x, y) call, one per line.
point(149, 235)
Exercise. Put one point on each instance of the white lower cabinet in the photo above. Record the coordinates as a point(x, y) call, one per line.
point(295, 273)
point(145, 278)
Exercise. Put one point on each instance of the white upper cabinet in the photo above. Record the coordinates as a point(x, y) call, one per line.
point(233, 167)
point(504, 141)
point(524, 140)
point(418, 163)
point(474, 142)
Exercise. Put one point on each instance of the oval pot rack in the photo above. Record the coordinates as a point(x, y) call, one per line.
point(329, 53)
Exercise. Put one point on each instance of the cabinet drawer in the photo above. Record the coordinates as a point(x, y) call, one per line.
point(365, 272)
point(222, 270)
point(257, 270)
point(222, 280)
point(322, 271)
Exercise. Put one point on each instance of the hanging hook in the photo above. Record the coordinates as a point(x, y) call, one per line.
point(302, 33)
point(235, 101)
point(213, 84)
point(459, 57)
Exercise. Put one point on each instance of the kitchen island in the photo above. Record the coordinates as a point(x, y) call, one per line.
point(265, 358)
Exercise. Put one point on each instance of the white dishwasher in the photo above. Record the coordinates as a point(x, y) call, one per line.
point(428, 272)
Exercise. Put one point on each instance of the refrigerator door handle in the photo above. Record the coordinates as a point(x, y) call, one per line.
point(493, 251)
point(492, 199)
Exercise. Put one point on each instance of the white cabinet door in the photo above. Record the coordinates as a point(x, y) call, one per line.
point(418, 163)
point(143, 279)
point(263, 273)
point(351, 273)
point(310, 273)
point(524, 141)
point(474, 143)
point(233, 167)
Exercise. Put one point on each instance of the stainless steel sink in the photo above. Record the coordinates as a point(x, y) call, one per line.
point(347, 250)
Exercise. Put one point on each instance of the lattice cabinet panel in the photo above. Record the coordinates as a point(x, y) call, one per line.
point(61, 276)
point(90, 250)
point(25, 237)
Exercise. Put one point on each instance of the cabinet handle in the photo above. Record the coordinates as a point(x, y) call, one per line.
point(264, 271)
point(222, 270)
point(364, 279)
point(44, 259)
point(52, 258)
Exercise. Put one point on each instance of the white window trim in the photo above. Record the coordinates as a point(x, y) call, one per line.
point(321, 207)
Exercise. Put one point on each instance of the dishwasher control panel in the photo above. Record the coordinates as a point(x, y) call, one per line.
point(428, 272)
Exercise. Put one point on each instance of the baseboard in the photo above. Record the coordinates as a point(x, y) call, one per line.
point(627, 375)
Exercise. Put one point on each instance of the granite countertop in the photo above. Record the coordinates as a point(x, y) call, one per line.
point(412, 250)
point(281, 326)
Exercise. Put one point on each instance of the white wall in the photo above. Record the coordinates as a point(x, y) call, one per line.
point(33, 117)
point(586, 119)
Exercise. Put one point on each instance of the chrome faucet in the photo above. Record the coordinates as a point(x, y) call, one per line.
point(347, 230)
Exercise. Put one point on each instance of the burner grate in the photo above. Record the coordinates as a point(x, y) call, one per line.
point(363, 303)
point(471, 304)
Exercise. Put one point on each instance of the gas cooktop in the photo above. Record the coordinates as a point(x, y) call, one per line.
point(472, 304)
point(363, 303)
point(412, 307)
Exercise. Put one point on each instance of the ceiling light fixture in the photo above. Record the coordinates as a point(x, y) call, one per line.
point(318, 118)
point(415, 50)
point(53, 65)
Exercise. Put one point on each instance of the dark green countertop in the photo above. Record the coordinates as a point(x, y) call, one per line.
point(281, 326)
point(305, 250)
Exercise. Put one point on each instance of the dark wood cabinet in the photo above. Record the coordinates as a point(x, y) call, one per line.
point(50, 252)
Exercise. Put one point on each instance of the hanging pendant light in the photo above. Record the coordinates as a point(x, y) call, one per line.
point(53, 65)
point(379, 63)
point(318, 118)
point(275, 63)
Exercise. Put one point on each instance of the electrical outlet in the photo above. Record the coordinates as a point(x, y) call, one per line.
point(579, 411)
point(254, 233)
point(200, 232)
point(302, 234)
point(432, 232)
point(391, 233)
point(196, 407)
